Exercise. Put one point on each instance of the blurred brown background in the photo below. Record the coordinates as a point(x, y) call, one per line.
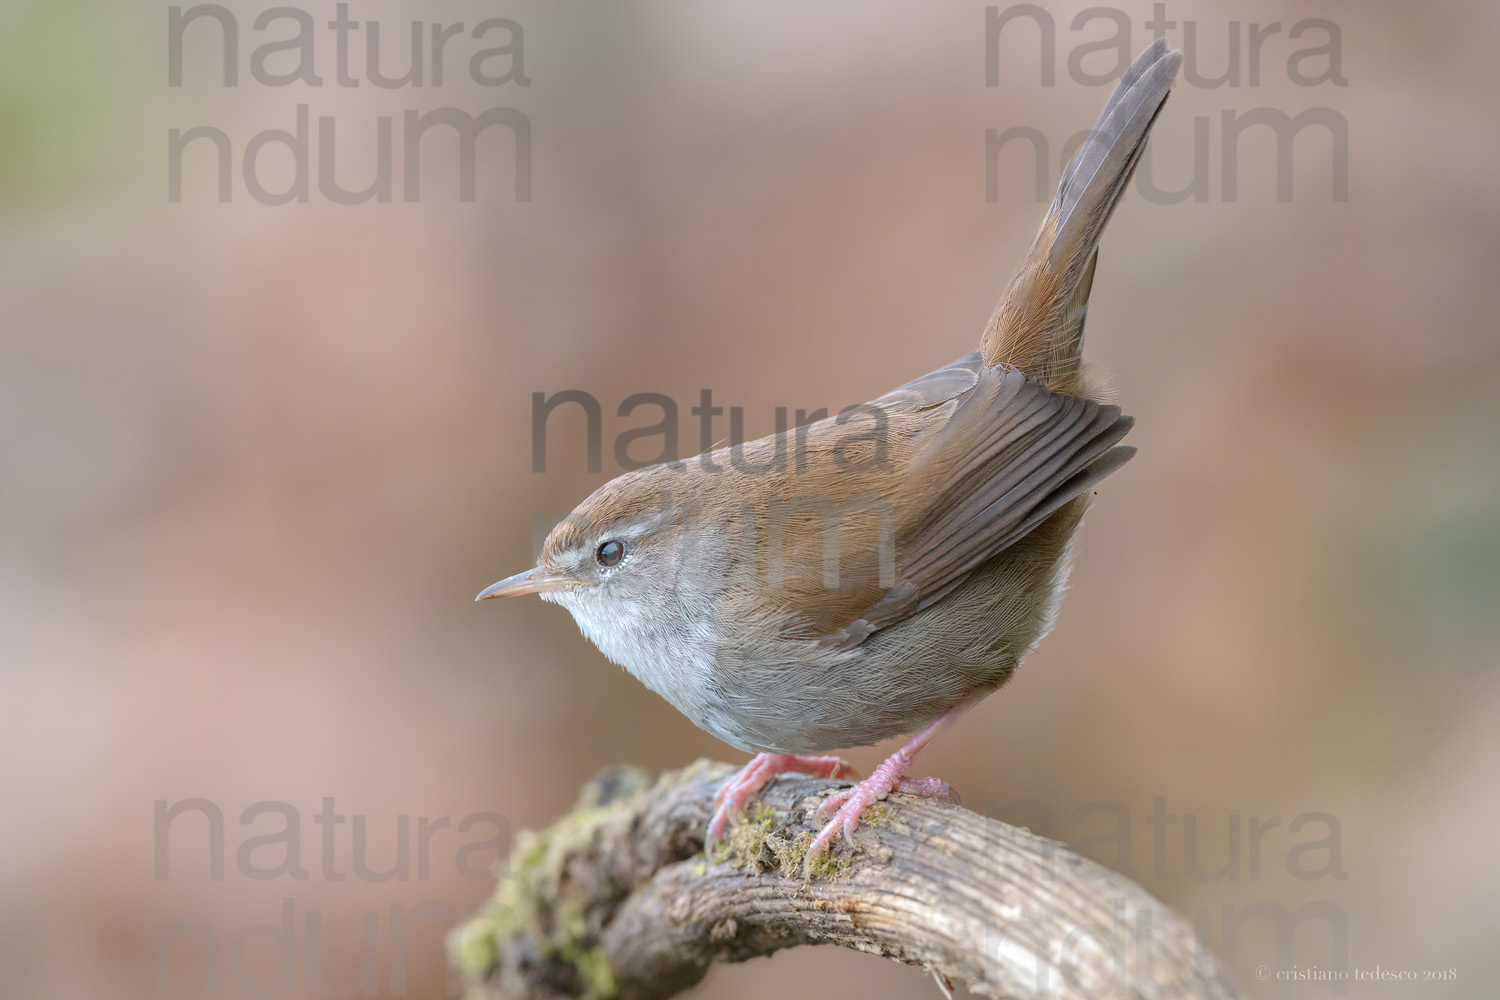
point(256, 460)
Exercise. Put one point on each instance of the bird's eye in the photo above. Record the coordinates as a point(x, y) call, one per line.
point(610, 552)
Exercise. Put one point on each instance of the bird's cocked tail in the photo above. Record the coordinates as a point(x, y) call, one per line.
point(1038, 325)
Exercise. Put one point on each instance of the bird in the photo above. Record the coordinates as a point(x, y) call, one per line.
point(877, 573)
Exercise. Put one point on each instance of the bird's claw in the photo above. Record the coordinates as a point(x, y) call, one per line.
point(842, 810)
point(750, 779)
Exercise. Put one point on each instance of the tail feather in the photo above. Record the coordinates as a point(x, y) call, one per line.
point(1038, 326)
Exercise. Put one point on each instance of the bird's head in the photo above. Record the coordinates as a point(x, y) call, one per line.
point(634, 570)
point(621, 545)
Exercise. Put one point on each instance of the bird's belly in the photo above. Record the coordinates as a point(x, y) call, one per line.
point(819, 702)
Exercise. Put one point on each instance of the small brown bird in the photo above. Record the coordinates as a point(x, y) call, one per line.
point(879, 572)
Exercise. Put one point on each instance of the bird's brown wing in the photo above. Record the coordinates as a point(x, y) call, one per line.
point(1011, 453)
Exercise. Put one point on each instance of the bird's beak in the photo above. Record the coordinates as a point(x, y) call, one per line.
point(533, 581)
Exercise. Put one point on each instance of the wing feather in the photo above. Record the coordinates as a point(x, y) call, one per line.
point(1012, 452)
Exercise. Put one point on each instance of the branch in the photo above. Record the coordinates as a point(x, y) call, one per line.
point(618, 900)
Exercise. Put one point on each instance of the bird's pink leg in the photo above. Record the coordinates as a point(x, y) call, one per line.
point(754, 776)
point(846, 806)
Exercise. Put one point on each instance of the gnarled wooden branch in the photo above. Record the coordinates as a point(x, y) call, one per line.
point(618, 899)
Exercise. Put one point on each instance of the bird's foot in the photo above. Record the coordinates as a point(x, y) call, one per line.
point(847, 805)
point(754, 776)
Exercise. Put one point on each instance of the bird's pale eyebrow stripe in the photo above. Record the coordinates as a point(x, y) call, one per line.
point(641, 525)
point(572, 534)
point(565, 539)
